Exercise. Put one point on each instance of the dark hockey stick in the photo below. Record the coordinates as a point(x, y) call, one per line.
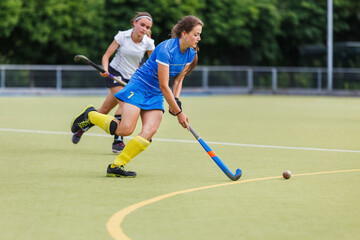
point(83, 59)
point(216, 159)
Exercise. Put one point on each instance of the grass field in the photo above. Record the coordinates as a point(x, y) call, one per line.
point(53, 189)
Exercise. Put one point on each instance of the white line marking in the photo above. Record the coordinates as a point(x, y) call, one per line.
point(187, 141)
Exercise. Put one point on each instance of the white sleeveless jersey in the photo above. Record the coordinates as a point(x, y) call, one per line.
point(129, 54)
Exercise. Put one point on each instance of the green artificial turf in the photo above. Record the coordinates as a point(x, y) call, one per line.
point(54, 189)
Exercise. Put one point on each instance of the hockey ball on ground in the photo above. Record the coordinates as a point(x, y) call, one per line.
point(287, 174)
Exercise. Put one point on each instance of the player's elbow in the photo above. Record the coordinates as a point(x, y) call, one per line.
point(164, 87)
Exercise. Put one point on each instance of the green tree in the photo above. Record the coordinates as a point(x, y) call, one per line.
point(346, 20)
point(236, 32)
point(305, 22)
point(165, 14)
point(240, 32)
point(53, 31)
point(9, 16)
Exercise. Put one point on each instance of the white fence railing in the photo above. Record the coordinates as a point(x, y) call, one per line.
point(82, 79)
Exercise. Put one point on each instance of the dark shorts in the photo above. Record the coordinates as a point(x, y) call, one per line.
point(112, 83)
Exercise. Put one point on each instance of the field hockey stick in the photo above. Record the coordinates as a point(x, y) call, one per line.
point(216, 159)
point(83, 59)
point(211, 153)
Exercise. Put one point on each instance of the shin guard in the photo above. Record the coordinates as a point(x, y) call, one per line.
point(131, 150)
point(103, 121)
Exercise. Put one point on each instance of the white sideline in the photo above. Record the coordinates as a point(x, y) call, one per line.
point(186, 141)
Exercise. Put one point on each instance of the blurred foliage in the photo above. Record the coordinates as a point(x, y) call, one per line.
point(9, 16)
point(236, 32)
point(52, 31)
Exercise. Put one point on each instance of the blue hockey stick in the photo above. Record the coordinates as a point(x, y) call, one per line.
point(216, 159)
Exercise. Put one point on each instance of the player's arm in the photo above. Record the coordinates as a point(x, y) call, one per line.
point(177, 87)
point(178, 82)
point(105, 59)
point(149, 53)
point(163, 74)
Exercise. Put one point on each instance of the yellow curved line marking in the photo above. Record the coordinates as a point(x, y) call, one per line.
point(114, 223)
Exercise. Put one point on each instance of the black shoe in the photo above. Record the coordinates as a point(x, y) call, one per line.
point(119, 172)
point(118, 146)
point(76, 136)
point(82, 121)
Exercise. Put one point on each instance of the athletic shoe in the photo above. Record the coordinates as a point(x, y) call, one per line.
point(76, 136)
point(118, 146)
point(82, 121)
point(119, 172)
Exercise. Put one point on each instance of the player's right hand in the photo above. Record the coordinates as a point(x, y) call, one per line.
point(183, 120)
point(105, 74)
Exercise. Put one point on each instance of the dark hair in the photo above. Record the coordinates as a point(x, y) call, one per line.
point(187, 24)
point(140, 14)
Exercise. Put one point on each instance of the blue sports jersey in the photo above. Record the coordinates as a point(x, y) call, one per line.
point(166, 53)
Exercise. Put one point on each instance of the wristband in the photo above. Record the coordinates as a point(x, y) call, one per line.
point(178, 113)
point(178, 102)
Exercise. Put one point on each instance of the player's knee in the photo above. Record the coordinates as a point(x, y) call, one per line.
point(149, 131)
point(104, 109)
point(125, 130)
point(153, 131)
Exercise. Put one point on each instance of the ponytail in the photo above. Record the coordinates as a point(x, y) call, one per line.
point(193, 64)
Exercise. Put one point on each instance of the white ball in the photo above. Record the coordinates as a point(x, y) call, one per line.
point(287, 174)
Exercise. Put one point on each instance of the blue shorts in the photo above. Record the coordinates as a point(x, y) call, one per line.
point(137, 95)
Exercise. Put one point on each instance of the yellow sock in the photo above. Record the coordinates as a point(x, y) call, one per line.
point(131, 150)
point(101, 120)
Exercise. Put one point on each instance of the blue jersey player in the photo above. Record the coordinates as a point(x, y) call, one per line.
point(144, 95)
